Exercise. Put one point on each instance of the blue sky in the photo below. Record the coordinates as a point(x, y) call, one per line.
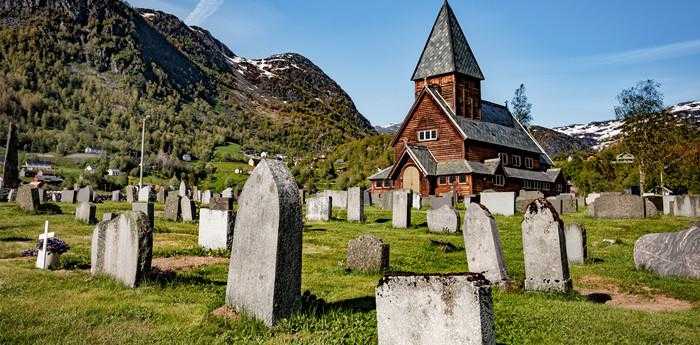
point(573, 56)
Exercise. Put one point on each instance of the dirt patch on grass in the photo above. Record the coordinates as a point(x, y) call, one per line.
point(227, 313)
point(186, 262)
point(602, 290)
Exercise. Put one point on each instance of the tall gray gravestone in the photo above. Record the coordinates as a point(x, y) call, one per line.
point(182, 191)
point(356, 208)
point(188, 209)
point(86, 212)
point(215, 228)
point(116, 195)
point(435, 310)
point(146, 194)
point(131, 194)
point(401, 209)
point(68, 196)
point(160, 196)
point(85, 194)
point(172, 207)
point(576, 243)
point(319, 208)
point(148, 208)
point(483, 244)
point(10, 172)
point(544, 249)
point(122, 248)
point(264, 276)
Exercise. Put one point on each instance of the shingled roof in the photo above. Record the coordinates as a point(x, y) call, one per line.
point(447, 50)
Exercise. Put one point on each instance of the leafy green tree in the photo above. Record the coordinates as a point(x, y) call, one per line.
point(522, 109)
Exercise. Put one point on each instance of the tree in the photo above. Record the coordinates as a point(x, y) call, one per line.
point(644, 99)
point(521, 107)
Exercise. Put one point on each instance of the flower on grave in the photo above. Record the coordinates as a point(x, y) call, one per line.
point(54, 245)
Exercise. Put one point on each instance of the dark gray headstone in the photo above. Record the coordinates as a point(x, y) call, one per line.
point(122, 248)
point(172, 207)
point(264, 276)
point(147, 208)
point(617, 206)
point(220, 203)
point(482, 243)
point(367, 253)
point(544, 249)
point(27, 198)
point(670, 254)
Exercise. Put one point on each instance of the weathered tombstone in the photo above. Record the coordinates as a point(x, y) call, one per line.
point(436, 310)
point(264, 276)
point(437, 202)
point(386, 200)
point(227, 193)
point(188, 209)
point(444, 219)
point(367, 197)
point(182, 191)
point(131, 194)
point(685, 206)
point(576, 243)
point(416, 202)
point(122, 248)
point(502, 203)
point(28, 198)
point(616, 206)
point(670, 254)
point(401, 210)
point(590, 198)
point(569, 203)
point(356, 208)
point(482, 244)
point(42, 195)
point(319, 208)
point(107, 216)
point(160, 196)
point(220, 203)
point(116, 195)
point(206, 197)
point(172, 207)
point(68, 196)
point(668, 200)
point(10, 173)
point(147, 208)
point(146, 194)
point(85, 194)
point(215, 228)
point(525, 197)
point(86, 213)
point(556, 203)
point(339, 197)
point(367, 253)
point(544, 249)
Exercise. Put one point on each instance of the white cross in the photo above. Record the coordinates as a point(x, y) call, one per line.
point(45, 236)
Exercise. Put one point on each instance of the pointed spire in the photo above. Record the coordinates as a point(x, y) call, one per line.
point(447, 50)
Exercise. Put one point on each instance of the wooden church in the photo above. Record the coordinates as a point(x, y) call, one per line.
point(452, 140)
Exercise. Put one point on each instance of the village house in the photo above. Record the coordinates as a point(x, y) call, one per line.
point(452, 140)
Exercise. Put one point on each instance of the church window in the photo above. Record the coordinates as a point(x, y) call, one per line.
point(426, 135)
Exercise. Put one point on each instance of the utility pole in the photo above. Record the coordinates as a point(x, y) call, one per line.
point(143, 136)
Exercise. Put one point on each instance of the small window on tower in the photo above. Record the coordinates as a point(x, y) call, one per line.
point(426, 135)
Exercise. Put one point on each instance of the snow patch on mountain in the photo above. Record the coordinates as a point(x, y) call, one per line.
point(598, 134)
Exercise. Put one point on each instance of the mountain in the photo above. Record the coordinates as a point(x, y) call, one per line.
point(390, 128)
point(78, 73)
point(556, 143)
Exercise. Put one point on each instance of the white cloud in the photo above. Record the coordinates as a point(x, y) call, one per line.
point(204, 9)
point(663, 52)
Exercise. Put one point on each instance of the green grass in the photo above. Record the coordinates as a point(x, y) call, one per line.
point(70, 306)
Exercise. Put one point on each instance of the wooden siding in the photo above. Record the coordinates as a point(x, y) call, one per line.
point(428, 115)
point(476, 151)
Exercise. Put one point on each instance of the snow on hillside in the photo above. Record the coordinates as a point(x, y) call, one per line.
point(389, 128)
point(597, 134)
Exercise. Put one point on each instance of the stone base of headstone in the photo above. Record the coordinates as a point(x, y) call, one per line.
point(436, 310)
point(122, 248)
point(367, 253)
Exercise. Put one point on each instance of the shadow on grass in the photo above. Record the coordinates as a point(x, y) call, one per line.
point(15, 239)
point(50, 208)
point(382, 220)
point(311, 305)
point(165, 278)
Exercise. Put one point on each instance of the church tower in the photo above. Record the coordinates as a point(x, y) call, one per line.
point(448, 65)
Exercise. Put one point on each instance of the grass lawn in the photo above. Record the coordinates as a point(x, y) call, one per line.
point(69, 306)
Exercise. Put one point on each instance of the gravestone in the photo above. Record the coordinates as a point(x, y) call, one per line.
point(86, 213)
point(437, 202)
point(591, 198)
point(544, 249)
point(339, 198)
point(188, 209)
point(385, 200)
point(42, 195)
point(556, 203)
point(319, 208)
point(416, 202)
point(68, 196)
point(107, 216)
point(161, 195)
point(221, 203)
point(12, 195)
point(670, 254)
point(576, 244)
point(367, 253)
point(10, 173)
point(482, 244)
point(525, 198)
point(172, 207)
point(147, 208)
point(182, 191)
point(668, 200)
point(618, 206)
point(227, 193)
point(146, 194)
point(435, 310)
point(27, 198)
point(568, 203)
point(85, 194)
point(444, 220)
point(122, 248)
point(215, 228)
point(502, 203)
point(367, 197)
point(264, 277)
point(116, 195)
point(401, 210)
point(356, 208)
point(686, 206)
point(206, 197)
point(131, 194)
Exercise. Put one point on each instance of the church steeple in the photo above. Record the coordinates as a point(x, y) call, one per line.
point(447, 50)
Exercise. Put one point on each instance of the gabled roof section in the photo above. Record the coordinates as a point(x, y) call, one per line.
point(381, 174)
point(421, 156)
point(447, 50)
point(548, 176)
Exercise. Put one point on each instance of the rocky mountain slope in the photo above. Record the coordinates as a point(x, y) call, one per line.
point(77, 73)
point(557, 143)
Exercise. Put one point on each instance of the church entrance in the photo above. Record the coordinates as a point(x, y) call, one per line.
point(411, 179)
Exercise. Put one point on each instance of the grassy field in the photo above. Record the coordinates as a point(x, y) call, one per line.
point(69, 306)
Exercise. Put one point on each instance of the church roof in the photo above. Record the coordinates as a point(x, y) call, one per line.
point(447, 50)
